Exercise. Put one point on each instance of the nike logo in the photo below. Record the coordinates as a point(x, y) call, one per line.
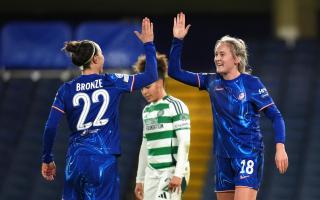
point(218, 89)
point(243, 177)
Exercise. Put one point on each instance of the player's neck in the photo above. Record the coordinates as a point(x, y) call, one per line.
point(89, 71)
point(231, 75)
point(161, 95)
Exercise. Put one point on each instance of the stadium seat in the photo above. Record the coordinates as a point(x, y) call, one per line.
point(34, 45)
point(307, 46)
point(117, 40)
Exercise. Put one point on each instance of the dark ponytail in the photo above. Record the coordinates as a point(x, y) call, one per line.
point(81, 52)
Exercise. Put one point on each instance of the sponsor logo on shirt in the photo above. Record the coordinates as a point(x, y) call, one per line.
point(124, 76)
point(181, 125)
point(243, 177)
point(87, 131)
point(150, 121)
point(154, 126)
point(118, 75)
point(263, 92)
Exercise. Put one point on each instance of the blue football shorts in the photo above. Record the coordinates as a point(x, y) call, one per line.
point(238, 172)
point(91, 177)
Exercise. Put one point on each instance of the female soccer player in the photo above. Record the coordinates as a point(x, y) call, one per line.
point(90, 103)
point(163, 169)
point(237, 98)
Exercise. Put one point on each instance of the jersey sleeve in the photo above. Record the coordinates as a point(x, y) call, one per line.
point(143, 160)
point(58, 102)
point(174, 68)
point(259, 95)
point(181, 117)
point(150, 73)
point(181, 125)
point(202, 80)
point(124, 82)
point(57, 110)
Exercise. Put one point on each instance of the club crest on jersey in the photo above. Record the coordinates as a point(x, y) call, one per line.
point(241, 96)
point(160, 113)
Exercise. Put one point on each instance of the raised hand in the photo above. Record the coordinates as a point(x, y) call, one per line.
point(48, 171)
point(179, 26)
point(146, 34)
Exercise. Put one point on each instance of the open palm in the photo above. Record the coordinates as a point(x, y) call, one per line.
point(146, 34)
point(179, 26)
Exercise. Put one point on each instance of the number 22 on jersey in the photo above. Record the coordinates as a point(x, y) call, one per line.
point(81, 125)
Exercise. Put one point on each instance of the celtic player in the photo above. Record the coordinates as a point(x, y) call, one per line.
point(163, 168)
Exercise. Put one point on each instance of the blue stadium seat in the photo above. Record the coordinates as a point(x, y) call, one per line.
point(307, 46)
point(34, 45)
point(119, 44)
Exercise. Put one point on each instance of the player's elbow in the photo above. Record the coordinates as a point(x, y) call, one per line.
point(185, 143)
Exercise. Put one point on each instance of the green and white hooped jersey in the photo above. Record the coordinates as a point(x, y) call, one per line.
point(161, 120)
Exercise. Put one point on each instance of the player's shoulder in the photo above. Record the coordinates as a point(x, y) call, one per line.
point(64, 85)
point(146, 106)
point(171, 100)
point(176, 104)
point(251, 80)
point(250, 77)
point(61, 90)
point(71, 83)
point(150, 107)
point(208, 75)
point(117, 77)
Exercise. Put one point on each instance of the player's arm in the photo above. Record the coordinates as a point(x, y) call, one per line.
point(48, 168)
point(174, 69)
point(181, 124)
point(281, 157)
point(183, 136)
point(150, 74)
point(143, 156)
point(263, 101)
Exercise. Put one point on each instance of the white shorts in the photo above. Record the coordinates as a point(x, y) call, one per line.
point(156, 185)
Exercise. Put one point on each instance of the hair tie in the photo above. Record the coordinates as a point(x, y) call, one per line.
point(94, 51)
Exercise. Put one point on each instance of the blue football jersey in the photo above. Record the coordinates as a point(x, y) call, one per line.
point(90, 103)
point(235, 106)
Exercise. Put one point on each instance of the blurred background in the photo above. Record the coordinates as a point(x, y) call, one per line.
point(283, 43)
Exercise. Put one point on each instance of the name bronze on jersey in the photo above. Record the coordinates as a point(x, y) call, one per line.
point(89, 86)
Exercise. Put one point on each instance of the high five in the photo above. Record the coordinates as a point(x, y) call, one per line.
point(237, 99)
point(90, 103)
